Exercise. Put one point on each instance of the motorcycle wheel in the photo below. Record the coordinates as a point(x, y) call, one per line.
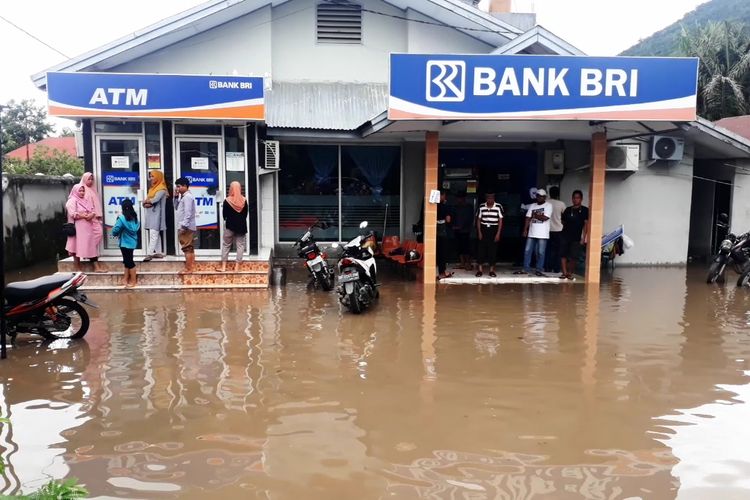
point(744, 279)
point(716, 272)
point(79, 321)
point(325, 279)
point(355, 305)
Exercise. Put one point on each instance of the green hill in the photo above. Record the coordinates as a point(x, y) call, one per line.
point(666, 42)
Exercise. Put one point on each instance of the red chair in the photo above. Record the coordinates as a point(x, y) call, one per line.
point(408, 246)
point(389, 244)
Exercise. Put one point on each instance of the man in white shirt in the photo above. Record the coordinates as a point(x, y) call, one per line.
point(552, 256)
point(536, 232)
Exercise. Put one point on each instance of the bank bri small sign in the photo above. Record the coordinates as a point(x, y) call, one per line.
point(129, 95)
point(529, 87)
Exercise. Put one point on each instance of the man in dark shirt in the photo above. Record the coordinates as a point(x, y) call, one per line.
point(575, 232)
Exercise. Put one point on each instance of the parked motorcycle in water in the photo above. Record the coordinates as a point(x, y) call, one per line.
point(49, 306)
point(733, 252)
point(358, 286)
point(315, 260)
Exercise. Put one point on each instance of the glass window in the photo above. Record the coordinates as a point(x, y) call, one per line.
point(308, 191)
point(370, 189)
point(196, 129)
point(153, 146)
point(118, 127)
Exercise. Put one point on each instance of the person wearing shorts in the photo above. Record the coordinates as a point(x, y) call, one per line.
point(184, 204)
point(575, 231)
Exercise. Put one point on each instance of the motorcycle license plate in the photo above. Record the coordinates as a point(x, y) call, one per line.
point(316, 260)
point(349, 277)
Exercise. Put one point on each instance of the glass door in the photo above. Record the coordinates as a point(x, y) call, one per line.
point(201, 161)
point(120, 173)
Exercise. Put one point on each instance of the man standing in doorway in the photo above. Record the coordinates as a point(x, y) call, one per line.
point(552, 260)
point(536, 232)
point(489, 225)
point(184, 204)
point(575, 232)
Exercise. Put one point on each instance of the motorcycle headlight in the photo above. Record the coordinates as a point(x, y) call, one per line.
point(726, 245)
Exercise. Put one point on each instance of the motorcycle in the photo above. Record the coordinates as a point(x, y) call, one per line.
point(315, 260)
point(358, 286)
point(733, 252)
point(49, 306)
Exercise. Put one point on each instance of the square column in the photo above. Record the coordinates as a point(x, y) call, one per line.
point(596, 207)
point(431, 147)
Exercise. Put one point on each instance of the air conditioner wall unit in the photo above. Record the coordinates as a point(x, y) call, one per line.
point(554, 161)
point(665, 147)
point(271, 149)
point(623, 157)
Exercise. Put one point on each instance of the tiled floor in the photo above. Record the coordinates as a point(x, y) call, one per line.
point(504, 276)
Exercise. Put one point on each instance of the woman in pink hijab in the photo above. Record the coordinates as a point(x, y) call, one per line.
point(87, 181)
point(81, 212)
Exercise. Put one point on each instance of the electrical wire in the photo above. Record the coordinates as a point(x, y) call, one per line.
point(34, 37)
point(442, 25)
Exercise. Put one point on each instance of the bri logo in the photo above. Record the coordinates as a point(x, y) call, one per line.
point(446, 81)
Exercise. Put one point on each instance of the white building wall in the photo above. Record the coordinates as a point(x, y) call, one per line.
point(741, 197)
point(653, 204)
point(242, 45)
point(428, 38)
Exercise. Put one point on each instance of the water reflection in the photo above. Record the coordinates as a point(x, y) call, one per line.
point(437, 392)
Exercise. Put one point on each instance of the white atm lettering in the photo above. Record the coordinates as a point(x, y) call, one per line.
point(133, 97)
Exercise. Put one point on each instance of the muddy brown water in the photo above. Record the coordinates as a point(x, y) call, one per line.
point(636, 390)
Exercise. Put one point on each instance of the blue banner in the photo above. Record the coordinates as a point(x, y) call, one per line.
point(529, 87)
point(208, 179)
point(160, 96)
point(121, 179)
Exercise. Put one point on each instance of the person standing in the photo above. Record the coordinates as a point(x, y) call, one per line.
point(489, 226)
point(184, 204)
point(155, 220)
point(575, 232)
point(536, 232)
point(443, 224)
point(126, 228)
point(97, 229)
point(552, 257)
point(82, 213)
point(234, 212)
point(463, 221)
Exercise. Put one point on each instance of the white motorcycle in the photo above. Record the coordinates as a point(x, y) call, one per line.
point(358, 285)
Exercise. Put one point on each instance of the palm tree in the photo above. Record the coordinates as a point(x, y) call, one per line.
point(724, 72)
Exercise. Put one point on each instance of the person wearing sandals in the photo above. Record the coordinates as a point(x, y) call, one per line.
point(575, 221)
point(155, 216)
point(489, 226)
point(536, 232)
point(443, 223)
point(234, 212)
point(126, 229)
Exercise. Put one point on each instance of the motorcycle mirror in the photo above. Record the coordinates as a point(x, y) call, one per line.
point(363, 224)
point(723, 218)
point(323, 225)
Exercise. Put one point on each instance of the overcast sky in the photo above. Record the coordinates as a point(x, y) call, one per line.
point(598, 27)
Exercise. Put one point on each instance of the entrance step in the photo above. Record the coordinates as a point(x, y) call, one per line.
point(163, 274)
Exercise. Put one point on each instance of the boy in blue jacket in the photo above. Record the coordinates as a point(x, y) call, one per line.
point(126, 228)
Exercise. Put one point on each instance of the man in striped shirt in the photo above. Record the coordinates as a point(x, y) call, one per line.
point(489, 225)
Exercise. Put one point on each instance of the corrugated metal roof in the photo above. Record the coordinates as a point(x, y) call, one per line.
point(324, 105)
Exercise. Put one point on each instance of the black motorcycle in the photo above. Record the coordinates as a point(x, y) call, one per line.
point(49, 306)
point(733, 252)
point(358, 284)
point(321, 274)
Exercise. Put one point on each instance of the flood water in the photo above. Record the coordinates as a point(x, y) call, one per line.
point(638, 389)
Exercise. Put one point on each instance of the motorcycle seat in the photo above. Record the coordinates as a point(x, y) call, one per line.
point(25, 291)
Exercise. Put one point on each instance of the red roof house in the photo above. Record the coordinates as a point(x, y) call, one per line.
point(66, 144)
point(739, 125)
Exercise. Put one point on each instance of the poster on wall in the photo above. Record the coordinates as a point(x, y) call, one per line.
point(235, 162)
point(199, 163)
point(204, 190)
point(154, 161)
point(117, 186)
point(121, 162)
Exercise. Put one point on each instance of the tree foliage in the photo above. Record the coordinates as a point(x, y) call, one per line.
point(724, 70)
point(45, 161)
point(22, 123)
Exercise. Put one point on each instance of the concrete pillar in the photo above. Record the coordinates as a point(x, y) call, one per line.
point(596, 207)
point(431, 146)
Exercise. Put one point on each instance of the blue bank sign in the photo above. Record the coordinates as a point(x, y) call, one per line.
point(528, 87)
point(155, 95)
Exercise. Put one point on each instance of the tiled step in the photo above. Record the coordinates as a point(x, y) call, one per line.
point(114, 279)
point(142, 287)
point(168, 266)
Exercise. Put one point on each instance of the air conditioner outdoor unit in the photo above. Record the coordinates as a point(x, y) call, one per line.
point(554, 161)
point(665, 147)
point(623, 157)
point(272, 155)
